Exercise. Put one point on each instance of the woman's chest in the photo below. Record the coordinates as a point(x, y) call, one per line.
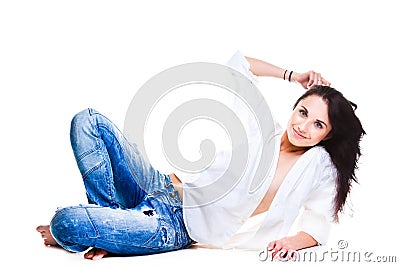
point(285, 164)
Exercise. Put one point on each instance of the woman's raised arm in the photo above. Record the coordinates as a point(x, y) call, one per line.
point(308, 79)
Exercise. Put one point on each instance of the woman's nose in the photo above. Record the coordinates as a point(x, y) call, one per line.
point(302, 128)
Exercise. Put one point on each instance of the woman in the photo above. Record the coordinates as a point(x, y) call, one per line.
point(138, 210)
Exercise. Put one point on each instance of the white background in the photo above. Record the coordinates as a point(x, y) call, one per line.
point(59, 57)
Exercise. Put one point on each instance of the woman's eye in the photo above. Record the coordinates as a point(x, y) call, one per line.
point(302, 112)
point(319, 125)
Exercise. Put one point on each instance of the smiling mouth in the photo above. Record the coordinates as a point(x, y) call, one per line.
point(299, 134)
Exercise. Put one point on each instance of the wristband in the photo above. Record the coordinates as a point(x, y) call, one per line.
point(290, 75)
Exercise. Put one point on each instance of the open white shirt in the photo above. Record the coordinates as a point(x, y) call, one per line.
point(309, 187)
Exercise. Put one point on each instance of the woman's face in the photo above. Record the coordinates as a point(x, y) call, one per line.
point(309, 123)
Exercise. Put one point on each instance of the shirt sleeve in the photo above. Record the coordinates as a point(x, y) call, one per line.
point(318, 214)
point(240, 63)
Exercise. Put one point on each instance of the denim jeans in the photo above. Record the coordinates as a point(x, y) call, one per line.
point(133, 209)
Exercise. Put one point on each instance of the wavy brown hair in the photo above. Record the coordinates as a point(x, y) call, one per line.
point(343, 142)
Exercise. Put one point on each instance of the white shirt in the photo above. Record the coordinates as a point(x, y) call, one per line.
point(309, 186)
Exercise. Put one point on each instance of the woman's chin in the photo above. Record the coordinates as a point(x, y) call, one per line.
point(300, 143)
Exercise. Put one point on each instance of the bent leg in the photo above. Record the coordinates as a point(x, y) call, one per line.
point(113, 170)
point(155, 225)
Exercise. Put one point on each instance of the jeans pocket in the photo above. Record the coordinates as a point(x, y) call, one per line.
point(163, 238)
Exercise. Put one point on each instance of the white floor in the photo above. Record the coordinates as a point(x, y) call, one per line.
point(32, 251)
point(50, 256)
point(22, 244)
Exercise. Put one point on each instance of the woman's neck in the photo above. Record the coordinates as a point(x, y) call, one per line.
point(289, 148)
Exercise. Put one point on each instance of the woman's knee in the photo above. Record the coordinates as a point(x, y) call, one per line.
point(83, 124)
point(79, 119)
point(71, 225)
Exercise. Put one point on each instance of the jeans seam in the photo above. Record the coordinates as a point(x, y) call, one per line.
point(94, 227)
point(115, 139)
point(88, 152)
point(93, 169)
point(97, 126)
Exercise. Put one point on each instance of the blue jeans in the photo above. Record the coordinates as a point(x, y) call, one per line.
point(133, 209)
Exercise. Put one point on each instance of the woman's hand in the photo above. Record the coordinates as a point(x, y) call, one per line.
point(285, 248)
point(309, 79)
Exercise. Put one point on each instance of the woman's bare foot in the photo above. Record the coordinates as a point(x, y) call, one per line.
point(44, 230)
point(95, 254)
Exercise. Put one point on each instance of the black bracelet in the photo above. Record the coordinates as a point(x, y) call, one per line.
point(290, 75)
point(284, 75)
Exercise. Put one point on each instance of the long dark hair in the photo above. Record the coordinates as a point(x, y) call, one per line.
point(343, 142)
